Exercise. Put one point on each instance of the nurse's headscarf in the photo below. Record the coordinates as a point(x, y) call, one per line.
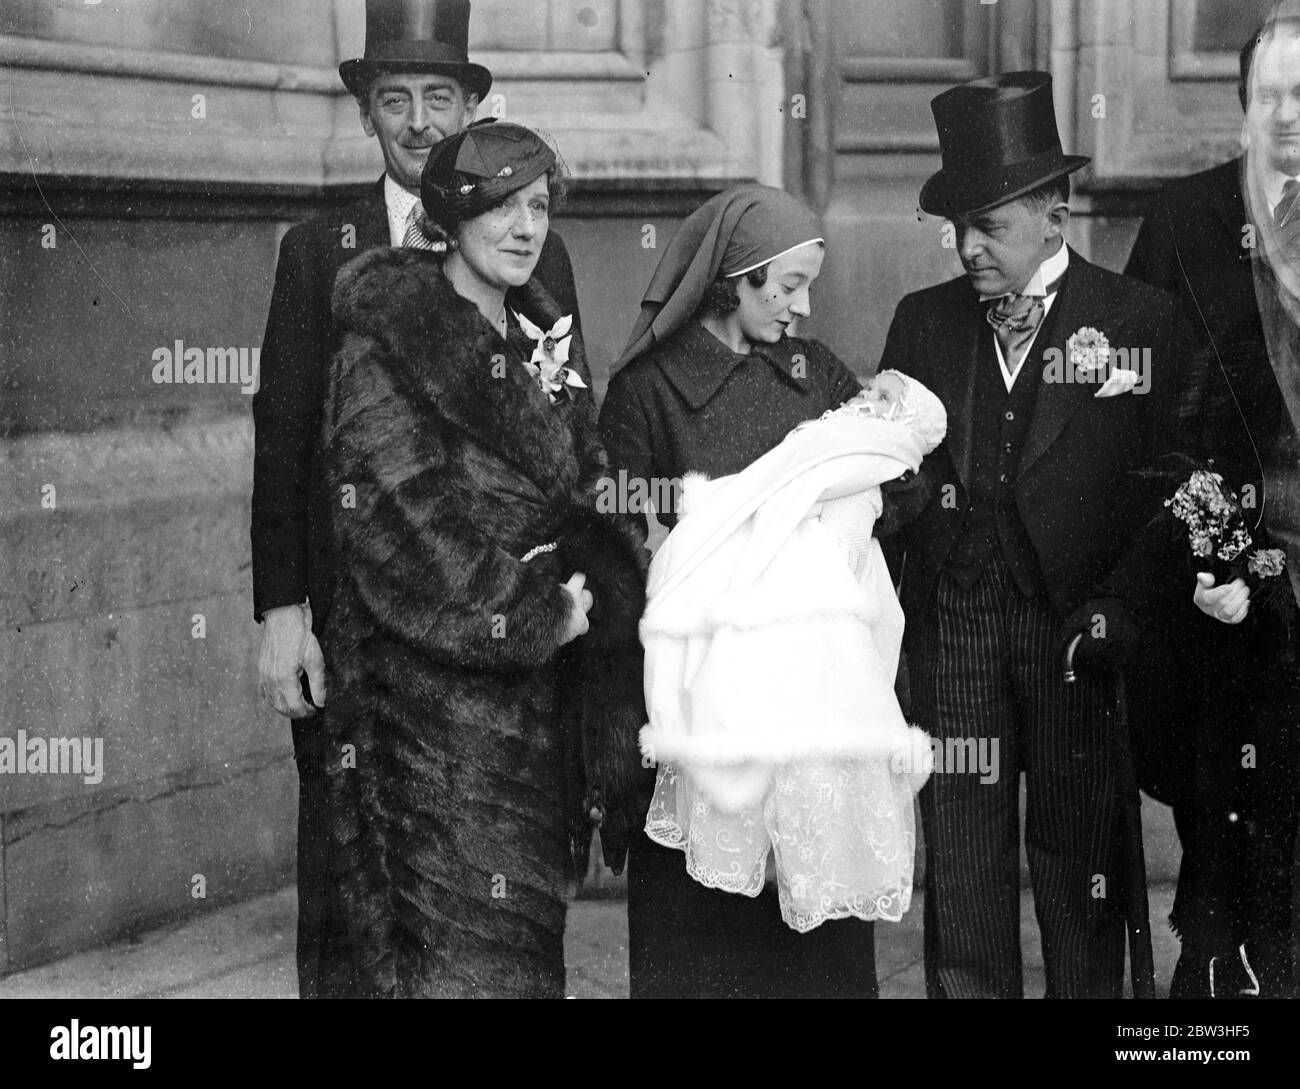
point(738, 231)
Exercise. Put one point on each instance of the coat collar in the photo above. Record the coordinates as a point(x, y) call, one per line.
point(1226, 202)
point(1079, 304)
point(443, 353)
point(370, 217)
point(698, 363)
point(1227, 205)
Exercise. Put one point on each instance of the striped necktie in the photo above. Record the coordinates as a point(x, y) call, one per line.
point(1287, 203)
point(414, 238)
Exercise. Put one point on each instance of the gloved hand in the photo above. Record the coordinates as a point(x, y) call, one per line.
point(902, 499)
point(1110, 633)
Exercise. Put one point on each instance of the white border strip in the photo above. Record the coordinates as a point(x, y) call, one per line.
point(769, 260)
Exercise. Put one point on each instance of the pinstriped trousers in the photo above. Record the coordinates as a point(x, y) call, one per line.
point(984, 665)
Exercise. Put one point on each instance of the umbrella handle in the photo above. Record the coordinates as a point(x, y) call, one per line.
point(1070, 675)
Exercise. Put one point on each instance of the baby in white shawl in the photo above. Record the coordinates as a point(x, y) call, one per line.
point(772, 635)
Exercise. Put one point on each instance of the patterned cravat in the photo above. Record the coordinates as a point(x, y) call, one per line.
point(1015, 319)
point(414, 238)
point(1287, 203)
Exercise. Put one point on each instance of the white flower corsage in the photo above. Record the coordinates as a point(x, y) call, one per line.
point(1267, 563)
point(548, 364)
point(1088, 353)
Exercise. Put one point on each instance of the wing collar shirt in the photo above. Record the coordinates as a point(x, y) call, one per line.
point(1049, 272)
point(399, 203)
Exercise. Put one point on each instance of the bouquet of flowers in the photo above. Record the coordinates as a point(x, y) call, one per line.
point(1216, 524)
point(1221, 542)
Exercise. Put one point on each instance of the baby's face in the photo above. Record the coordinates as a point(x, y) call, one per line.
point(884, 393)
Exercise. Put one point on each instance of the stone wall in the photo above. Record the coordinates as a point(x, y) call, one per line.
point(142, 543)
point(153, 157)
point(134, 214)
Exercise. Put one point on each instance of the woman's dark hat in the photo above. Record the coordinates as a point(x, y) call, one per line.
point(417, 36)
point(998, 140)
point(470, 172)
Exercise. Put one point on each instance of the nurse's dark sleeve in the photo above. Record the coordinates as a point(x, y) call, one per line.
point(626, 431)
point(841, 384)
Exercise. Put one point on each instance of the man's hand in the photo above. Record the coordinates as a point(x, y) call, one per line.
point(1227, 604)
point(1110, 633)
point(288, 650)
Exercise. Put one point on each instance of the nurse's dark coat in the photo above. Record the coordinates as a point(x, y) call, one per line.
point(690, 404)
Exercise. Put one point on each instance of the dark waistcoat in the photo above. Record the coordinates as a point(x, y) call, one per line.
point(1000, 421)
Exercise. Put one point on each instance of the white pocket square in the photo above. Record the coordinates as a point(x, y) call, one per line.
point(1120, 381)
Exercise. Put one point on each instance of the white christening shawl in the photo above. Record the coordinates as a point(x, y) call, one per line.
point(769, 677)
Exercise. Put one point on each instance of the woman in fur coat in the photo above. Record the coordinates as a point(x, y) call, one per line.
point(485, 677)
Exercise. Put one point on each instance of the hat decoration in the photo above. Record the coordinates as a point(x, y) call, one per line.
point(470, 172)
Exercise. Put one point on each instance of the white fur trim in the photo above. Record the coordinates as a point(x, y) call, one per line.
point(733, 781)
point(746, 614)
point(780, 743)
point(691, 485)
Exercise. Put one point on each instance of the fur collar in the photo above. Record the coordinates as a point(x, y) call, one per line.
point(443, 353)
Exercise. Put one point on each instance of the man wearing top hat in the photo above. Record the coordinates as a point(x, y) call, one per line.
point(1030, 537)
point(1222, 241)
point(414, 86)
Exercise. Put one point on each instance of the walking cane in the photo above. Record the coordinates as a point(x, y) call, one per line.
point(1137, 909)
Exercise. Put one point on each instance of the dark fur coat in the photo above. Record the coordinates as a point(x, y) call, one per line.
point(473, 747)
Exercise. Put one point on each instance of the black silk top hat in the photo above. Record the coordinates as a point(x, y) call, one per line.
point(998, 140)
point(417, 36)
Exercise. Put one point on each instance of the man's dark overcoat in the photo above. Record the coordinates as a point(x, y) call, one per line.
point(1237, 685)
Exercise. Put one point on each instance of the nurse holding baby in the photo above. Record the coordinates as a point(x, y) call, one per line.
point(711, 383)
